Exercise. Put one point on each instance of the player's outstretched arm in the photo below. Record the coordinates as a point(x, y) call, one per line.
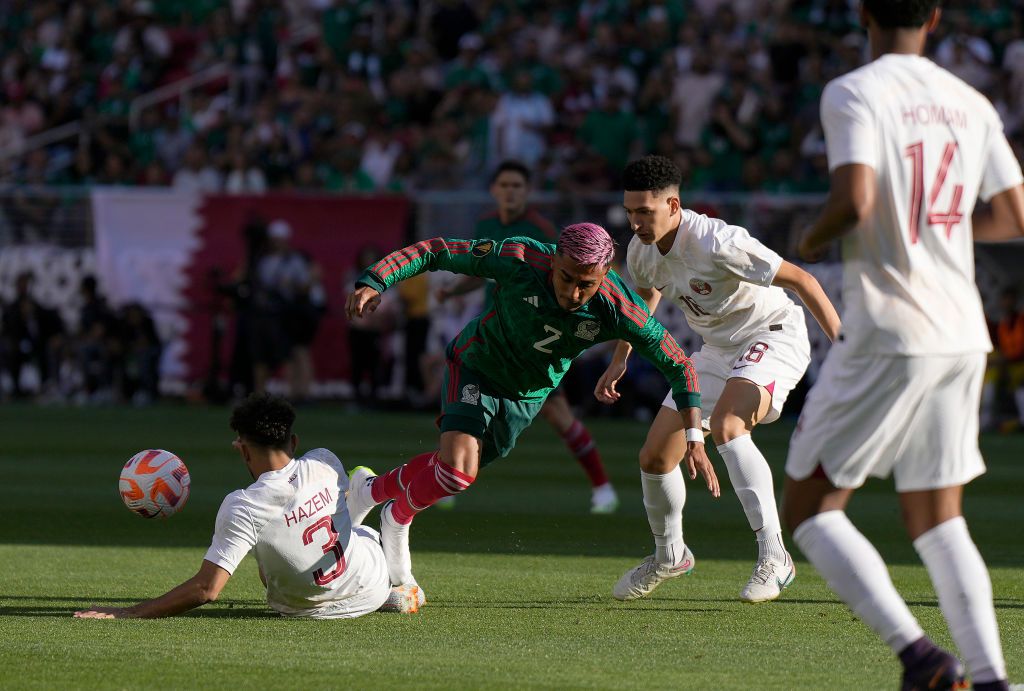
point(202, 588)
point(792, 277)
point(605, 390)
point(851, 198)
point(1004, 220)
point(696, 458)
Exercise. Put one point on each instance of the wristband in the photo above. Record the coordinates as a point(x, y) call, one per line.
point(694, 434)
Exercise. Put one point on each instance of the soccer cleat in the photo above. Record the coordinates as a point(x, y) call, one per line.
point(604, 499)
point(394, 538)
point(940, 671)
point(769, 579)
point(639, 581)
point(404, 599)
point(359, 498)
point(445, 503)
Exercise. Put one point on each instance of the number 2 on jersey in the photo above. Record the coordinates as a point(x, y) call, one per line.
point(555, 335)
point(915, 152)
point(332, 545)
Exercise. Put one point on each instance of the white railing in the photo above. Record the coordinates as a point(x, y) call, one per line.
point(182, 90)
point(46, 138)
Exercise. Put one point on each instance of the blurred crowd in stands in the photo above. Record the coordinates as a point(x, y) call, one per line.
point(363, 95)
point(112, 356)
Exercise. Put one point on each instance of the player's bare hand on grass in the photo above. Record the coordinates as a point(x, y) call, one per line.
point(361, 302)
point(102, 613)
point(605, 389)
point(696, 460)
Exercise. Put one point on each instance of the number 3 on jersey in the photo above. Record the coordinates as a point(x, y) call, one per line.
point(332, 545)
point(915, 152)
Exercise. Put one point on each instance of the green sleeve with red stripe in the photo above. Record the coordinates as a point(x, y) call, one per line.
point(470, 257)
point(652, 340)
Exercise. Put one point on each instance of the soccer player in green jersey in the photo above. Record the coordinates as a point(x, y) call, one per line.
point(551, 303)
point(513, 217)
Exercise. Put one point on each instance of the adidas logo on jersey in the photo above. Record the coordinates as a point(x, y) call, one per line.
point(533, 300)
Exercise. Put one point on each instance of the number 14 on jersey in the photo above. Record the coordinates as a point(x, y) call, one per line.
point(948, 219)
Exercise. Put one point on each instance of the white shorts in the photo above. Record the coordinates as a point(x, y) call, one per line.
point(775, 359)
point(913, 417)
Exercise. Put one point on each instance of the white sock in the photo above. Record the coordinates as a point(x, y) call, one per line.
point(752, 479)
point(664, 499)
point(856, 573)
point(965, 596)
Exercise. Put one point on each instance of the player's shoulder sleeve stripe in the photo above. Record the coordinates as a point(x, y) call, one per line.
point(524, 253)
point(630, 309)
point(396, 260)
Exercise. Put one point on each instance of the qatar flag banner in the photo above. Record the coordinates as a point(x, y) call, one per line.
point(170, 251)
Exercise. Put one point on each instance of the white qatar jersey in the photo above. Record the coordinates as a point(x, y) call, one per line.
point(936, 145)
point(719, 276)
point(297, 521)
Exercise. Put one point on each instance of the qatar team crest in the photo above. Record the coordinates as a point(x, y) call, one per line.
point(700, 287)
point(587, 330)
point(471, 394)
point(482, 249)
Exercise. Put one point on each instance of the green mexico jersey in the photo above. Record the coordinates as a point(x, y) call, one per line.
point(531, 225)
point(524, 343)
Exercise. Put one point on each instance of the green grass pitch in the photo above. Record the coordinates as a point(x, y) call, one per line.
point(518, 575)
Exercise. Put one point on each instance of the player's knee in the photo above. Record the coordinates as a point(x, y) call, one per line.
point(656, 461)
point(726, 427)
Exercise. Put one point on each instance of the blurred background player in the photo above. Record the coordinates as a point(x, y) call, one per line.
point(911, 148)
point(510, 188)
point(1004, 378)
point(755, 351)
point(552, 303)
point(312, 560)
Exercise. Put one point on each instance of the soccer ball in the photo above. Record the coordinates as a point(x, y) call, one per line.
point(154, 483)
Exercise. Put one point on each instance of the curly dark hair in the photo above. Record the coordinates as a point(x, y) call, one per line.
point(651, 174)
point(900, 14)
point(264, 420)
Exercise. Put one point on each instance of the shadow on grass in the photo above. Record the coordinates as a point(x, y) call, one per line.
point(247, 609)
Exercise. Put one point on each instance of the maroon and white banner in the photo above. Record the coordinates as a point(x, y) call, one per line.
point(160, 248)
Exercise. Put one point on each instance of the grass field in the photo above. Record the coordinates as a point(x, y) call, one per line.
point(518, 576)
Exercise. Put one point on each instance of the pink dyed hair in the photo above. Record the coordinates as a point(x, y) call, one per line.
point(587, 244)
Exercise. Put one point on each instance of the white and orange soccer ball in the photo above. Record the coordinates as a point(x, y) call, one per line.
point(154, 483)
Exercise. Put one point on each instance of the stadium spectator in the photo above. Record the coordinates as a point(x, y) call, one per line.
point(197, 175)
point(137, 360)
point(32, 335)
point(97, 327)
point(288, 305)
point(244, 178)
point(368, 358)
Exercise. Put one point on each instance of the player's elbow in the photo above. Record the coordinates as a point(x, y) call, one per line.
point(858, 208)
point(206, 593)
